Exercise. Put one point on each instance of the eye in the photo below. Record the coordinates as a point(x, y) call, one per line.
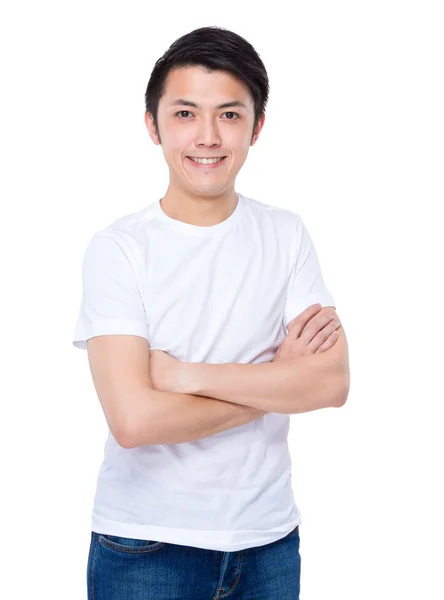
point(182, 111)
point(232, 113)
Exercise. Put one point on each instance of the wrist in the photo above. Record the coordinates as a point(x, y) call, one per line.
point(187, 378)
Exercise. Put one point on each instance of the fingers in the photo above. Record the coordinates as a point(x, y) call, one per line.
point(318, 323)
point(297, 324)
point(328, 342)
point(318, 331)
point(325, 335)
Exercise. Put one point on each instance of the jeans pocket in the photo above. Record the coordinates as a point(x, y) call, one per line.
point(128, 545)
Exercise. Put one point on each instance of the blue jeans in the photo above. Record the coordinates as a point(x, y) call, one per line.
point(130, 569)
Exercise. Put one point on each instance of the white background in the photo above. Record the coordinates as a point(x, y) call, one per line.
point(353, 142)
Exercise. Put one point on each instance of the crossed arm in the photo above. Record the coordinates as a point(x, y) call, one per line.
point(290, 386)
point(217, 397)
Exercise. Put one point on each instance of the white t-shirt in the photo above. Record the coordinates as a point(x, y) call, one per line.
point(217, 294)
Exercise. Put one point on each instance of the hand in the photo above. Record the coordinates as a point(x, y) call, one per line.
point(165, 371)
point(309, 333)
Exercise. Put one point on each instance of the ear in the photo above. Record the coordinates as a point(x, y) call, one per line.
point(257, 130)
point(149, 122)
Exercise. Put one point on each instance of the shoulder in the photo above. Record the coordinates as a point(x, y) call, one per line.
point(129, 227)
point(277, 212)
point(283, 219)
point(125, 235)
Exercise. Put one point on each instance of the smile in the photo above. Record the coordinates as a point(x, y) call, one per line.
point(206, 162)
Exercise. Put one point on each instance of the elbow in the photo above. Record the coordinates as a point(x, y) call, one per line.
point(119, 430)
point(343, 391)
point(136, 427)
point(124, 437)
point(126, 441)
point(137, 431)
point(125, 433)
point(133, 437)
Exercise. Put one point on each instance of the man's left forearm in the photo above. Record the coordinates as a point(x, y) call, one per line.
point(291, 386)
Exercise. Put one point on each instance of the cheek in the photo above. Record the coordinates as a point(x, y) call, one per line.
point(240, 150)
point(239, 141)
point(174, 149)
point(176, 138)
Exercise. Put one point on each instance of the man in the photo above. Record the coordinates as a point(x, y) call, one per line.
point(184, 315)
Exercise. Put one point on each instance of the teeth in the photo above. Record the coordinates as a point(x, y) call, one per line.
point(206, 161)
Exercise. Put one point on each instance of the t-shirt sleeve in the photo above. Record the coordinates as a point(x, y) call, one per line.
point(111, 301)
point(307, 285)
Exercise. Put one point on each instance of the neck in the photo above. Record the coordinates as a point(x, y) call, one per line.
point(200, 210)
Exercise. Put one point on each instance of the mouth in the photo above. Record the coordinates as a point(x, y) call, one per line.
point(210, 163)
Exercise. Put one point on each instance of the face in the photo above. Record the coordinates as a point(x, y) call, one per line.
point(204, 131)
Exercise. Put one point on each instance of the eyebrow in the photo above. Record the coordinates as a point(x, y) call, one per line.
point(183, 102)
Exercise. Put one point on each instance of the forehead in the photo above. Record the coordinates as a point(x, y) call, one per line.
point(195, 83)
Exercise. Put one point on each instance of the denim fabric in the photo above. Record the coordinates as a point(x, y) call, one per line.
point(131, 569)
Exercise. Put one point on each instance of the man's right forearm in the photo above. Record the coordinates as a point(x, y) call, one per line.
point(169, 418)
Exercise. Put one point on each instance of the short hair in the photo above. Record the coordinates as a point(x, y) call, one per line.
point(213, 48)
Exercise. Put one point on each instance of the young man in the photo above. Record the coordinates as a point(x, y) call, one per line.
point(184, 315)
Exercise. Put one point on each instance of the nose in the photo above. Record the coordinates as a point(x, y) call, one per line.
point(208, 133)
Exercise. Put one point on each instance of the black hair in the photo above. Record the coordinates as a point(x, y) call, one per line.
point(213, 48)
